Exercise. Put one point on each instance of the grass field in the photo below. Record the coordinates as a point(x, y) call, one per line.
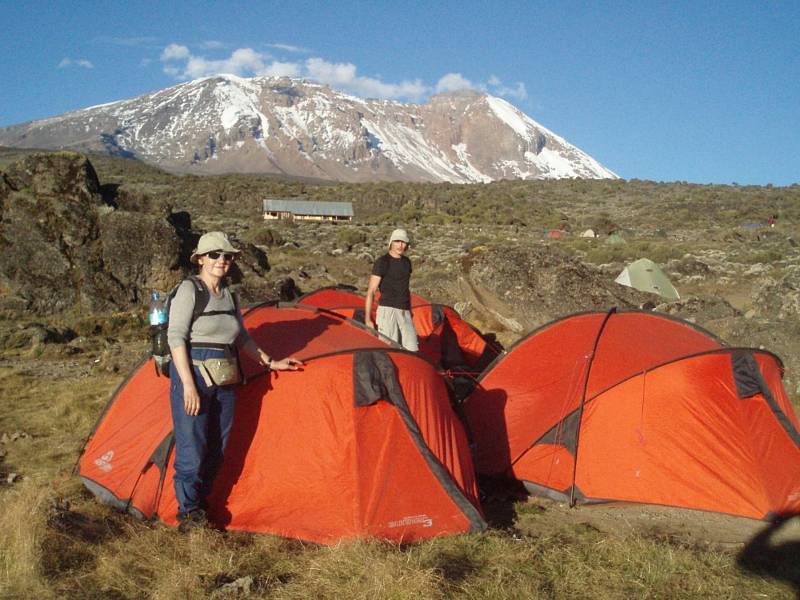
point(56, 541)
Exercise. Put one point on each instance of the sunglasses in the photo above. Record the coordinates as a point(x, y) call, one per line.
point(226, 256)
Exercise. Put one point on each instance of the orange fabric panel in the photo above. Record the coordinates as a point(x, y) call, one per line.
point(680, 436)
point(332, 298)
point(429, 403)
point(547, 465)
point(528, 391)
point(777, 455)
point(135, 424)
point(302, 332)
point(634, 341)
point(286, 469)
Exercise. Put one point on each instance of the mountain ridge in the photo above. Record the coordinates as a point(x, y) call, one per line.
point(229, 124)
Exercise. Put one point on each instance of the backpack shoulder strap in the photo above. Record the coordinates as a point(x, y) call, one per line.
point(201, 296)
point(235, 298)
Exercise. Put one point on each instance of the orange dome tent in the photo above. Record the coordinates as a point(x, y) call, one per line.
point(639, 407)
point(361, 443)
point(444, 337)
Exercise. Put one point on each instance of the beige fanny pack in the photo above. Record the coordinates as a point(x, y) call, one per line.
point(219, 371)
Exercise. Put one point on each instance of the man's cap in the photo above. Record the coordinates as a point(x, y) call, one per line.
point(399, 235)
point(211, 241)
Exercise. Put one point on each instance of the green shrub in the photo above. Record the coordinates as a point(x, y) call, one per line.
point(265, 236)
point(351, 236)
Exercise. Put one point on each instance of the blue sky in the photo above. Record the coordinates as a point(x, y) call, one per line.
point(670, 91)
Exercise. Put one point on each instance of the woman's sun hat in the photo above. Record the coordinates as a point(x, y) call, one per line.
point(211, 241)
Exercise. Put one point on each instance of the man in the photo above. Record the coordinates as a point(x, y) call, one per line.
point(391, 274)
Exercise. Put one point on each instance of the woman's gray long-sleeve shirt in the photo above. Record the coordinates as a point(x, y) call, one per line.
point(213, 329)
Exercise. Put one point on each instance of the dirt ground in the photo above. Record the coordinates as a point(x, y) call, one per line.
point(687, 527)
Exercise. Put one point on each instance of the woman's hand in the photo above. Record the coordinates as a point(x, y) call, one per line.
point(191, 400)
point(286, 364)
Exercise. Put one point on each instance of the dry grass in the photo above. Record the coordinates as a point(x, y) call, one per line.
point(23, 528)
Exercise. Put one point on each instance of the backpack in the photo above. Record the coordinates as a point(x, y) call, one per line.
point(158, 333)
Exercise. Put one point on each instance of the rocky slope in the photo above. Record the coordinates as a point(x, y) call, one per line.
point(66, 242)
point(228, 124)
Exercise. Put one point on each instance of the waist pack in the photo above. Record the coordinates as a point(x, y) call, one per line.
point(219, 371)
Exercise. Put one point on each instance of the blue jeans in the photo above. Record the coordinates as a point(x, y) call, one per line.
point(199, 440)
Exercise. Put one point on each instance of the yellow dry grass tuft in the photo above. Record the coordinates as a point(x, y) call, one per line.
point(23, 526)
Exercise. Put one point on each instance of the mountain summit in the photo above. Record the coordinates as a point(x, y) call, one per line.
point(226, 124)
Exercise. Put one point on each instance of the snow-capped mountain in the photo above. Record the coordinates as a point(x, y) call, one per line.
point(227, 124)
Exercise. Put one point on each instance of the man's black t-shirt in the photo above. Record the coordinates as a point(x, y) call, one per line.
point(395, 274)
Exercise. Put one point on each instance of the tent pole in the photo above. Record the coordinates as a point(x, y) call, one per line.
point(583, 402)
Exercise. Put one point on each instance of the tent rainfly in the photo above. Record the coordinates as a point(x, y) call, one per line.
point(362, 442)
point(444, 337)
point(638, 407)
point(646, 276)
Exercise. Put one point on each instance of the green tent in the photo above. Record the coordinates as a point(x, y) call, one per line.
point(615, 238)
point(646, 276)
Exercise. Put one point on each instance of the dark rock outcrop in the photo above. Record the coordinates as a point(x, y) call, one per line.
point(67, 242)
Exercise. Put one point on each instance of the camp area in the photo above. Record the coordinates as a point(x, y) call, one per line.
point(583, 410)
point(558, 435)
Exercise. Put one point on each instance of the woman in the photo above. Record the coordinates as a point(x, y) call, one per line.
point(204, 373)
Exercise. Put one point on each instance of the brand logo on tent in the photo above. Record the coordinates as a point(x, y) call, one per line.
point(423, 520)
point(104, 462)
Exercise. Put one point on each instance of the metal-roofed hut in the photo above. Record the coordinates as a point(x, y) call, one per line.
point(306, 210)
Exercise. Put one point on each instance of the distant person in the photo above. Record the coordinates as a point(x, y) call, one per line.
point(204, 372)
point(771, 221)
point(391, 274)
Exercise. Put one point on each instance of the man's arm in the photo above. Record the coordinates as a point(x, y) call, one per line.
point(374, 282)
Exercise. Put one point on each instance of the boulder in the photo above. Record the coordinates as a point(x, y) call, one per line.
point(527, 286)
point(64, 247)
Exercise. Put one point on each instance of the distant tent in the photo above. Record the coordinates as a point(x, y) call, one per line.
point(589, 233)
point(444, 337)
point(361, 443)
point(553, 234)
point(615, 238)
point(638, 407)
point(646, 276)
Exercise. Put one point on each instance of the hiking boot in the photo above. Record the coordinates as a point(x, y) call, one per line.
point(194, 519)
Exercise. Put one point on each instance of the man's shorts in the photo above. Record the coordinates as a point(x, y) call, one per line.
point(397, 324)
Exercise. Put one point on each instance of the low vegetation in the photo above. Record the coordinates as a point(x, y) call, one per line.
point(57, 372)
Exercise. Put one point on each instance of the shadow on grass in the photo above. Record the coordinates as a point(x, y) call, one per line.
point(498, 498)
point(763, 556)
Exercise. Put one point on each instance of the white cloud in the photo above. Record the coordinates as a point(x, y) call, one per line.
point(345, 76)
point(179, 62)
point(77, 62)
point(175, 52)
point(517, 91)
point(289, 48)
point(452, 82)
point(282, 69)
